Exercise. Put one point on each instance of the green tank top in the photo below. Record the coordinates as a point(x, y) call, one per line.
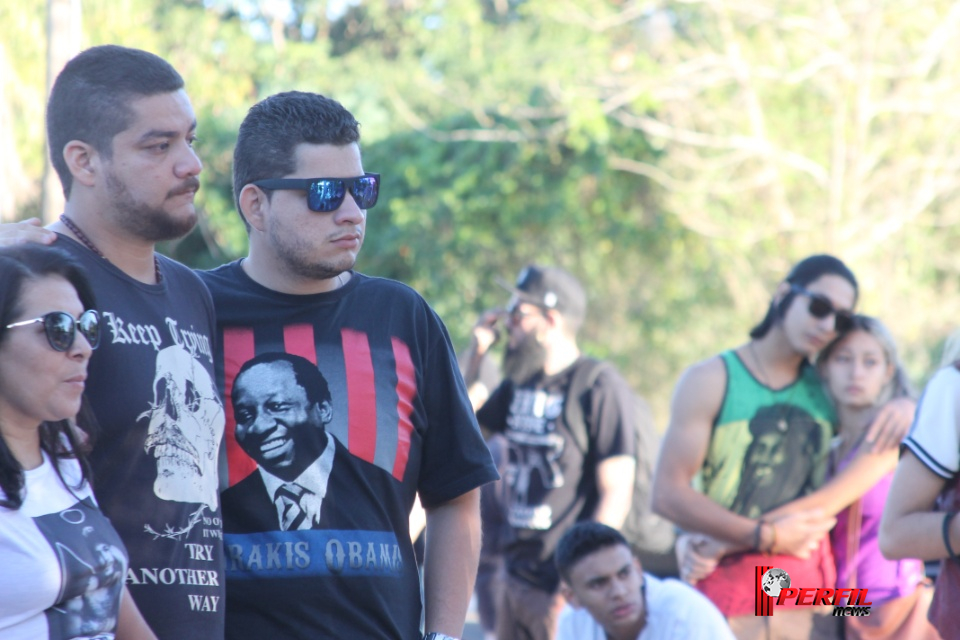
point(768, 447)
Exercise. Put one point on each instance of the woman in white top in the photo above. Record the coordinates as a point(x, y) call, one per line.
point(63, 564)
point(920, 517)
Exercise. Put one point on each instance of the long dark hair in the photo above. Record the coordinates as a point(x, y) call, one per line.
point(802, 274)
point(20, 265)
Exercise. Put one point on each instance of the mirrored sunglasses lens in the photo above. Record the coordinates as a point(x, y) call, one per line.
point(820, 307)
point(365, 191)
point(325, 195)
point(59, 328)
point(90, 327)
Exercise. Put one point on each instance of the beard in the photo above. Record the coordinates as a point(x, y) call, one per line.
point(147, 222)
point(525, 360)
point(295, 254)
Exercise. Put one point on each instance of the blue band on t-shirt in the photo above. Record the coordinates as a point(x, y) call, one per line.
point(308, 553)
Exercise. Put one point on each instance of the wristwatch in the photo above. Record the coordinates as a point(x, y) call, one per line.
point(436, 635)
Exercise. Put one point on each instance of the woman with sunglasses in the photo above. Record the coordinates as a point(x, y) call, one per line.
point(63, 564)
point(755, 425)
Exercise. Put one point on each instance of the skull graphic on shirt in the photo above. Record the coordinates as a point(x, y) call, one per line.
point(186, 421)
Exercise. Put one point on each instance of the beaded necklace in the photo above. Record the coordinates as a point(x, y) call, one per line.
point(88, 243)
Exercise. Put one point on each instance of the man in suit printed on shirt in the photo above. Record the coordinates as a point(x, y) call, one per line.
point(282, 405)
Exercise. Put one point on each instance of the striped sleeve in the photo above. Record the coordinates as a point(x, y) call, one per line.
point(935, 435)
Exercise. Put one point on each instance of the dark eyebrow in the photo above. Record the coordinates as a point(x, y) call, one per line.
point(157, 133)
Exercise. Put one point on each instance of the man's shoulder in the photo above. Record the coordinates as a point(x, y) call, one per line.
point(218, 275)
point(577, 624)
point(385, 286)
point(179, 275)
point(597, 372)
point(709, 375)
point(671, 600)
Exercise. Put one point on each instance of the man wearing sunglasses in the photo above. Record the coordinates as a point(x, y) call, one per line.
point(397, 402)
point(120, 131)
point(559, 469)
point(736, 419)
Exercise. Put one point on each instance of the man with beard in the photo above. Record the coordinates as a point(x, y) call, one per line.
point(120, 132)
point(552, 481)
point(396, 400)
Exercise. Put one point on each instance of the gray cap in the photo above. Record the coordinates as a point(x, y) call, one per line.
point(551, 288)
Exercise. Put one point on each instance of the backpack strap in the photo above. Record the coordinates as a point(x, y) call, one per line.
point(584, 377)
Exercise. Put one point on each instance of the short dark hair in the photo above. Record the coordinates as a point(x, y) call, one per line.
point(275, 126)
point(581, 540)
point(90, 100)
point(20, 265)
point(803, 273)
point(306, 374)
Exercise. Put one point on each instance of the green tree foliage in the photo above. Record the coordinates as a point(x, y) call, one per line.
point(795, 127)
point(678, 157)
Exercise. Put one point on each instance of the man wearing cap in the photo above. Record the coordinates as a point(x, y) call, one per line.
point(556, 475)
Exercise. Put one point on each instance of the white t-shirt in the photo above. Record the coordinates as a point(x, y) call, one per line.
point(935, 435)
point(62, 564)
point(675, 611)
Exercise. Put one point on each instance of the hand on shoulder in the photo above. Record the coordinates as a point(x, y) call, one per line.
point(31, 230)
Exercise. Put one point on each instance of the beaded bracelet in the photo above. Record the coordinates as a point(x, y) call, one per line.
point(946, 535)
point(756, 535)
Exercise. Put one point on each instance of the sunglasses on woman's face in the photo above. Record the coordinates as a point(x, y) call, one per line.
point(821, 307)
point(327, 194)
point(61, 328)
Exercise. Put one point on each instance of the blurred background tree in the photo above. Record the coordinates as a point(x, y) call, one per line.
point(677, 156)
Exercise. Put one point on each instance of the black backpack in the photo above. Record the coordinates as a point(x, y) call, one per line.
point(651, 537)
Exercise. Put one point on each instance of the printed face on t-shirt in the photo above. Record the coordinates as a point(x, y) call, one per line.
point(277, 424)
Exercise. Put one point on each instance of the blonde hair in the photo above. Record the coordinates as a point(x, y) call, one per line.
point(899, 385)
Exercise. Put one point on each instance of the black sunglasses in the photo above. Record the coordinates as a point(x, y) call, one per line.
point(821, 307)
point(61, 328)
point(327, 194)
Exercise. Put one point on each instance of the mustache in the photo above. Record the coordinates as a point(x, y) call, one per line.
point(191, 184)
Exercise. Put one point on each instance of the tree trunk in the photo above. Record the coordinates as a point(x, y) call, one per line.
point(63, 42)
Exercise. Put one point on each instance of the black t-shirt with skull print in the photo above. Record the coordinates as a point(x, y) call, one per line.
point(155, 461)
point(550, 482)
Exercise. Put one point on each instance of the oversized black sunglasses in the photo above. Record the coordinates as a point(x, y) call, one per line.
point(61, 328)
point(821, 307)
point(327, 194)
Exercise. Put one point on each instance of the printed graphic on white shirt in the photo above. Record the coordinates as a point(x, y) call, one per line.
point(92, 565)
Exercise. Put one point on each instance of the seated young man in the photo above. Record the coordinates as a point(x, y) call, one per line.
point(612, 598)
